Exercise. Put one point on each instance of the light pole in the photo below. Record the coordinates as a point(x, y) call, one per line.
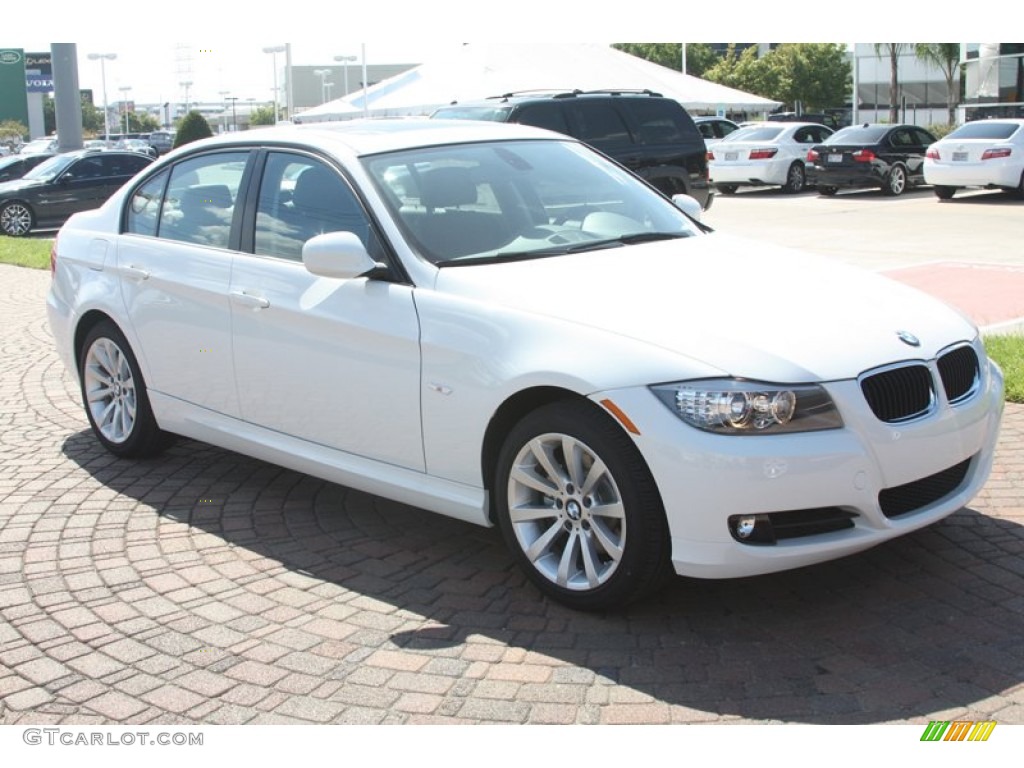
point(273, 50)
point(103, 58)
point(234, 114)
point(346, 60)
point(323, 83)
point(124, 102)
point(186, 84)
point(224, 98)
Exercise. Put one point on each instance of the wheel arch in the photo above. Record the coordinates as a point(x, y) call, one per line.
point(507, 415)
point(88, 321)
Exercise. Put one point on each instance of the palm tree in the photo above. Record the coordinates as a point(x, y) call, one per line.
point(946, 57)
point(893, 50)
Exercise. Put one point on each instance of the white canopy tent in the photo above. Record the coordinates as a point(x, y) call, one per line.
point(478, 71)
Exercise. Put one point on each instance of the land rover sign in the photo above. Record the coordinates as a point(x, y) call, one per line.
point(13, 101)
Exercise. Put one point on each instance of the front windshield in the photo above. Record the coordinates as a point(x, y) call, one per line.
point(48, 171)
point(500, 201)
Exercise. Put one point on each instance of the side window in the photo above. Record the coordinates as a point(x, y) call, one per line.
point(549, 116)
point(86, 168)
point(200, 199)
point(144, 206)
point(301, 197)
point(659, 121)
point(923, 139)
point(707, 130)
point(600, 125)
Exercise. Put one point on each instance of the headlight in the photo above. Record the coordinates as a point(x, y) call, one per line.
point(732, 407)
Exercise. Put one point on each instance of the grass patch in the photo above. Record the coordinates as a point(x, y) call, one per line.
point(31, 252)
point(1008, 352)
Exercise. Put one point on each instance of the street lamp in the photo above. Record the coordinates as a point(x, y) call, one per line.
point(323, 83)
point(234, 114)
point(104, 57)
point(273, 50)
point(124, 102)
point(224, 98)
point(346, 60)
point(186, 84)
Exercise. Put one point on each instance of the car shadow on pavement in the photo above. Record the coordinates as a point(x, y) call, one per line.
point(928, 623)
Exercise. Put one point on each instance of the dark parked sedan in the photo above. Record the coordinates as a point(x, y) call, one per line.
point(890, 157)
point(15, 166)
point(64, 184)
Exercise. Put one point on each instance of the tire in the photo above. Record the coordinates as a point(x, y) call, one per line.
point(16, 219)
point(114, 395)
point(896, 182)
point(589, 527)
point(827, 191)
point(727, 189)
point(796, 179)
point(945, 193)
point(1020, 188)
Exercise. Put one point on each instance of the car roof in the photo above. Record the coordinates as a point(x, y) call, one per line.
point(374, 136)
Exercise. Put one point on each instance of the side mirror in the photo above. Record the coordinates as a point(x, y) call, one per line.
point(687, 205)
point(340, 255)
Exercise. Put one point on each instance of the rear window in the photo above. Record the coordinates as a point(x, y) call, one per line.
point(754, 134)
point(985, 130)
point(858, 134)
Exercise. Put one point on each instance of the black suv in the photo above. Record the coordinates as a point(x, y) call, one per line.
point(651, 135)
point(63, 185)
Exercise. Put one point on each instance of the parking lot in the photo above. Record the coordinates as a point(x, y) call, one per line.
point(207, 587)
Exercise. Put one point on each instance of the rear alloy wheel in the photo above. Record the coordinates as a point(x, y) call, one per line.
point(945, 193)
point(727, 189)
point(796, 178)
point(827, 191)
point(114, 395)
point(579, 509)
point(896, 184)
point(16, 219)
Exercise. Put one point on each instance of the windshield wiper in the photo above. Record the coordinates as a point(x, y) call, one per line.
point(649, 237)
point(561, 250)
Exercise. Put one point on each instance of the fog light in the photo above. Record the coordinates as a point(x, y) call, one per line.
point(745, 527)
point(752, 529)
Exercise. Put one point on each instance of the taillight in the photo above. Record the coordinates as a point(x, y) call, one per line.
point(762, 154)
point(864, 156)
point(991, 154)
point(932, 154)
point(812, 156)
point(711, 155)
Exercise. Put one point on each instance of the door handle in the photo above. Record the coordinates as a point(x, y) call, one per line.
point(251, 300)
point(134, 273)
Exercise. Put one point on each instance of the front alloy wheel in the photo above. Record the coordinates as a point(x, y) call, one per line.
point(579, 509)
point(16, 219)
point(896, 184)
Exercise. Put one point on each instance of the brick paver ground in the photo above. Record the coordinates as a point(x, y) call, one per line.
point(206, 587)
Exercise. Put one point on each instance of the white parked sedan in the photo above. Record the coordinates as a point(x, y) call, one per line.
point(986, 153)
point(764, 155)
point(496, 323)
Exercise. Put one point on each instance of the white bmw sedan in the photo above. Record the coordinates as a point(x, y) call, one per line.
point(987, 154)
point(496, 323)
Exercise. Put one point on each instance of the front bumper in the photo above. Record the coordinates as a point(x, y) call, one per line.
point(704, 479)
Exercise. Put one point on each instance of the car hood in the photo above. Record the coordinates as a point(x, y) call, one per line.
point(18, 185)
point(751, 311)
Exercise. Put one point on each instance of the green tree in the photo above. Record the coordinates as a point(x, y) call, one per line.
point(817, 75)
point(141, 122)
point(699, 57)
point(192, 127)
point(946, 57)
point(893, 51)
point(262, 116)
point(12, 132)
